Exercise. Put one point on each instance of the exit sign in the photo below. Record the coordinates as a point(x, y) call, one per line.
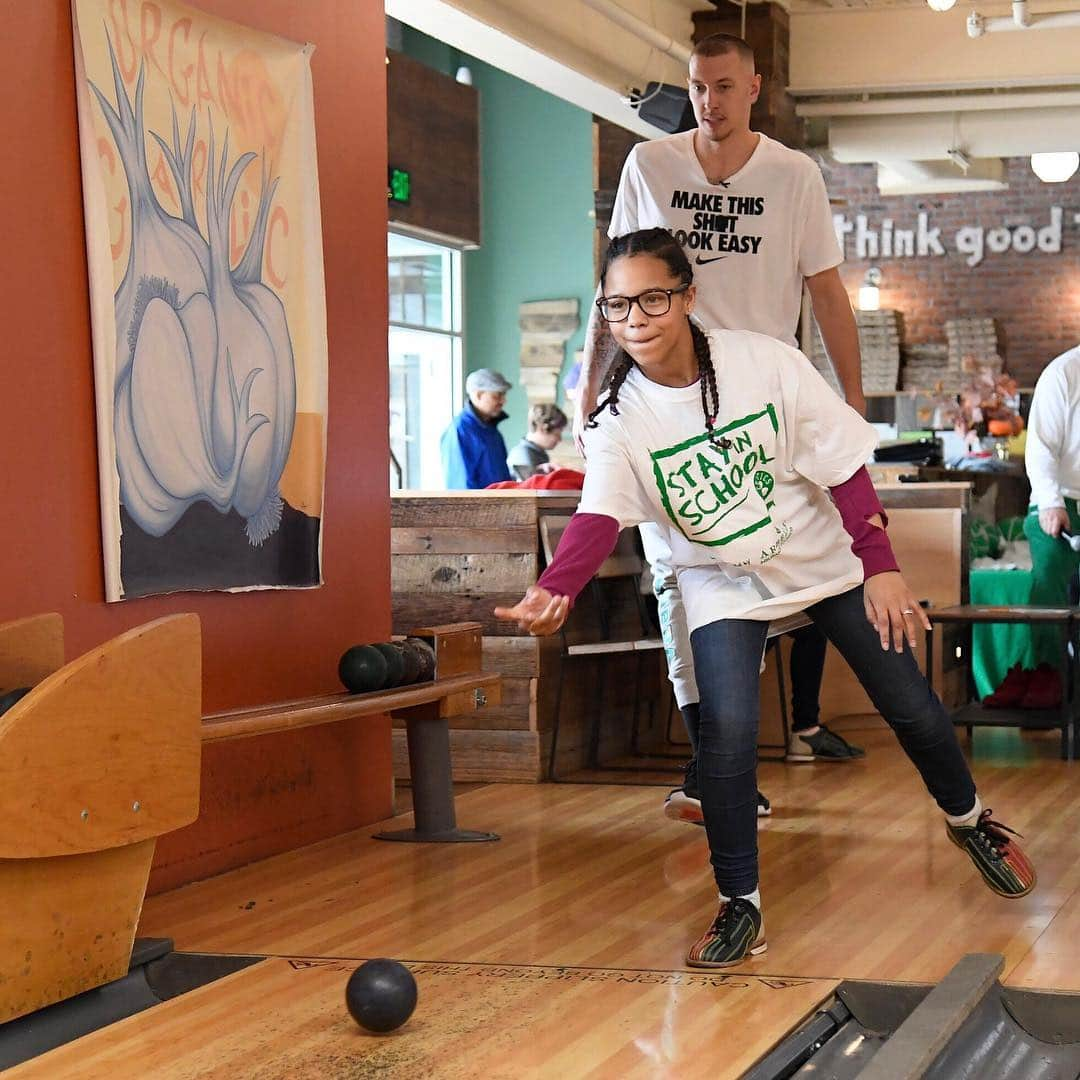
point(399, 186)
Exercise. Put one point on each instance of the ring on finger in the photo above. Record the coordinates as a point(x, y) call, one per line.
point(907, 611)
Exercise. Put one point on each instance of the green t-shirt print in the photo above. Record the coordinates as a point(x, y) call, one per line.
point(712, 495)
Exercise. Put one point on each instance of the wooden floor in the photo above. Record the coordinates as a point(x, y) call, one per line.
point(558, 952)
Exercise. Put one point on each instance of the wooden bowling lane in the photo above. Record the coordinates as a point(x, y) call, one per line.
point(1054, 959)
point(286, 1018)
point(859, 879)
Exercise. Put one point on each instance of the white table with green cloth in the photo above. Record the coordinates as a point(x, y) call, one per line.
point(995, 647)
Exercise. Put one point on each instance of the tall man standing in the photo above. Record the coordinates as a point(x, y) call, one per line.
point(755, 220)
point(1052, 458)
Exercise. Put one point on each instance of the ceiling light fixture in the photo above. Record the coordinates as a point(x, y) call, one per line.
point(1055, 168)
point(941, 5)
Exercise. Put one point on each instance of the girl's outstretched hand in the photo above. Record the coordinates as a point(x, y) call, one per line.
point(892, 610)
point(538, 611)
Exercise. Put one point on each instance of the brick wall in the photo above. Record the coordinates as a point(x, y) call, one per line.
point(1034, 297)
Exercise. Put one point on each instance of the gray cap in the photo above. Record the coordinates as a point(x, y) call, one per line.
point(486, 379)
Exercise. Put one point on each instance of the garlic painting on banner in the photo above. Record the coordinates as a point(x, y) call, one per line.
point(204, 244)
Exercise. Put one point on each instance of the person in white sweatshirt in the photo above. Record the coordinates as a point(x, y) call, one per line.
point(1052, 459)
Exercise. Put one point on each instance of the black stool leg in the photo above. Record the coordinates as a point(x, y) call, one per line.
point(637, 706)
point(785, 723)
point(558, 716)
point(432, 785)
point(1067, 748)
point(593, 756)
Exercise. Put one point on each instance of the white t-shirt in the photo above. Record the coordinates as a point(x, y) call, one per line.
point(753, 532)
point(1052, 454)
point(751, 240)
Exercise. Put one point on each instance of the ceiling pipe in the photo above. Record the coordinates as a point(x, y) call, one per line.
point(931, 136)
point(1022, 19)
point(941, 103)
point(898, 177)
point(640, 28)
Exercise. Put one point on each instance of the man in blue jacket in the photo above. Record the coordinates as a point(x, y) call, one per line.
point(473, 451)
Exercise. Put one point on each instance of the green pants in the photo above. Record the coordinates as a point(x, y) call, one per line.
point(1053, 565)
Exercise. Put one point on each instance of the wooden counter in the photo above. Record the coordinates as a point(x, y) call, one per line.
point(456, 555)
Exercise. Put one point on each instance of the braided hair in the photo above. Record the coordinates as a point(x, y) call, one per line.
point(661, 244)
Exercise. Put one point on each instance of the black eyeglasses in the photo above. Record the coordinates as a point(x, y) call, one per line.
point(651, 302)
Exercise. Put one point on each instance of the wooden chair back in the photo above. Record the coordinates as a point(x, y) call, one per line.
point(96, 762)
point(30, 649)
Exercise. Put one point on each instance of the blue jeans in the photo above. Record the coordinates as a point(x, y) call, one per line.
point(727, 655)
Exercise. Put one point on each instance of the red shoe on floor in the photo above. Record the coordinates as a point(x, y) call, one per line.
point(1011, 691)
point(1044, 690)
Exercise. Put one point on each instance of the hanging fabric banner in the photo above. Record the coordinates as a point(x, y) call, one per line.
point(204, 244)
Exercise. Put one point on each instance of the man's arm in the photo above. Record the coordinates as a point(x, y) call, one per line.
point(832, 309)
point(1045, 437)
point(600, 350)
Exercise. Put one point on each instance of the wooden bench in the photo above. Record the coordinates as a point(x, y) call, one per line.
point(104, 755)
point(459, 687)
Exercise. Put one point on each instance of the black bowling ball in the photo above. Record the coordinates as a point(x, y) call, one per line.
point(410, 660)
point(426, 656)
point(395, 663)
point(381, 995)
point(362, 668)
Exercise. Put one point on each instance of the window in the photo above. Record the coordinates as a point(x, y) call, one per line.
point(425, 356)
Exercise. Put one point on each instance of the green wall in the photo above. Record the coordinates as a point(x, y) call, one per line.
point(536, 179)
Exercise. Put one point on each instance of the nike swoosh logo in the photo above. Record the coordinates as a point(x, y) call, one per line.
point(705, 262)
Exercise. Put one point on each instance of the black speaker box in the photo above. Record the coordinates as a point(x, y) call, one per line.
point(666, 107)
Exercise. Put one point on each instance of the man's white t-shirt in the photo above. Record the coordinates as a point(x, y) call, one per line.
point(1052, 456)
point(751, 240)
point(752, 529)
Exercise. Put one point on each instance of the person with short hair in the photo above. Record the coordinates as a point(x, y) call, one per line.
point(1052, 461)
point(473, 450)
point(754, 219)
point(547, 422)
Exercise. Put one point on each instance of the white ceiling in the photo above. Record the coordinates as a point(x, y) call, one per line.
point(876, 62)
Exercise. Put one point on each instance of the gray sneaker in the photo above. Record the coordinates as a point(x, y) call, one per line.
point(824, 745)
point(684, 803)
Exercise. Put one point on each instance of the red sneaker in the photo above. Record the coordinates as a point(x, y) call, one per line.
point(1011, 691)
point(1044, 690)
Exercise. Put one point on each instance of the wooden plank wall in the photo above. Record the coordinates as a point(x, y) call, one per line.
point(455, 556)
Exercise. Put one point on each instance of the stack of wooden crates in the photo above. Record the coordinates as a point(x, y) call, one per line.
point(455, 556)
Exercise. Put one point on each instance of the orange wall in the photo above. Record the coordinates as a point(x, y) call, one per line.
point(263, 794)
